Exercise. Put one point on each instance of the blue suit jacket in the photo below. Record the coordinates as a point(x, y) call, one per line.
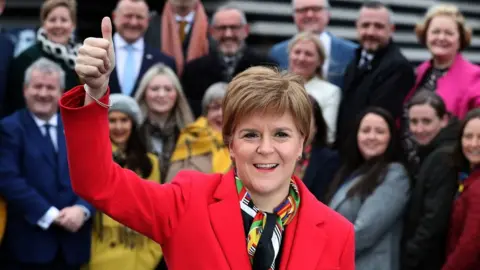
point(150, 57)
point(342, 53)
point(31, 182)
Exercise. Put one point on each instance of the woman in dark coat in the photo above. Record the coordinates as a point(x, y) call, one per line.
point(318, 164)
point(55, 42)
point(428, 214)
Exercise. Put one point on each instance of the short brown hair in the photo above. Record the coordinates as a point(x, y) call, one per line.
point(444, 10)
point(50, 5)
point(309, 36)
point(265, 90)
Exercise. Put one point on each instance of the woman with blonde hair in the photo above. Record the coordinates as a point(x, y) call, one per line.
point(258, 215)
point(456, 80)
point(161, 99)
point(306, 58)
point(200, 145)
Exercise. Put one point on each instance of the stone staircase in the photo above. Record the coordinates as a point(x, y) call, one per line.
point(271, 21)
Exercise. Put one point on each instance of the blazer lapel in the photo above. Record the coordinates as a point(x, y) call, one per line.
point(114, 83)
point(37, 137)
point(305, 239)
point(341, 195)
point(227, 224)
point(62, 153)
point(146, 63)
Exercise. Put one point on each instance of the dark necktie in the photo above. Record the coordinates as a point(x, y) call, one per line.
point(364, 61)
point(48, 137)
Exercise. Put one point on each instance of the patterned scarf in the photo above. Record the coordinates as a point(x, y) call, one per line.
point(263, 222)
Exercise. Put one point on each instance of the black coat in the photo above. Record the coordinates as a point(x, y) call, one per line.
point(428, 215)
point(385, 83)
point(322, 167)
point(201, 73)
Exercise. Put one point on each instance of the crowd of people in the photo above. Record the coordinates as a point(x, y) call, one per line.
point(392, 148)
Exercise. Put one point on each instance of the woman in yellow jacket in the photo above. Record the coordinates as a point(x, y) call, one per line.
point(200, 144)
point(115, 246)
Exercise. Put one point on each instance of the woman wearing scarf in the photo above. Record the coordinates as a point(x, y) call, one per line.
point(54, 42)
point(200, 145)
point(463, 245)
point(256, 216)
point(161, 100)
point(115, 246)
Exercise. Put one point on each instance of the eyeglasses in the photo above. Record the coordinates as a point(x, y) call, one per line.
point(233, 27)
point(314, 9)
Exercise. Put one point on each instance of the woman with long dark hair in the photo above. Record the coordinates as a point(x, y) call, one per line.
point(371, 190)
point(318, 164)
point(115, 246)
point(463, 245)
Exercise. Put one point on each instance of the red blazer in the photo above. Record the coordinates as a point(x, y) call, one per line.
point(463, 245)
point(197, 217)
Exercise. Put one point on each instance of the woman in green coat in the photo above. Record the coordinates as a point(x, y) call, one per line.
point(54, 41)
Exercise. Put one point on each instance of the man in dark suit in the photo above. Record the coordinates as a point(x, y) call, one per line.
point(48, 225)
point(7, 49)
point(379, 75)
point(230, 56)
point(134, 56)
point(314, 16)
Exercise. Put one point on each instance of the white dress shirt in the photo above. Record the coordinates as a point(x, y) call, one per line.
point(189, 19)
point(327, 44)
point(52, 213)
point(121, 55)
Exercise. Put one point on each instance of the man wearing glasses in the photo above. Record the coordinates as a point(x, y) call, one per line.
point(314, 15)
point(229, 56)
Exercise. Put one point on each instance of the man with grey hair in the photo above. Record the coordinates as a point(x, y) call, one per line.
point(229, 56)
point(379, 75)
point(48, 225)
point(313, 16)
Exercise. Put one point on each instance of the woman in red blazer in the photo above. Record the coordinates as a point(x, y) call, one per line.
point(463, 243)
point(257, 216)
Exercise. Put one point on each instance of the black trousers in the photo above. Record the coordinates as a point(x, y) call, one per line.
point(58, 263)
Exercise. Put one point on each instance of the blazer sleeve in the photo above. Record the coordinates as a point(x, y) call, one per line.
point(145, 206)
point(393, 87)
point(382, 208)
point(13, 186)
point(330, 112)
point(467, 250)
point(440, 189)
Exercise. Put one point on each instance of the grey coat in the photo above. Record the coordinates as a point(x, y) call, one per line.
point(378, 219)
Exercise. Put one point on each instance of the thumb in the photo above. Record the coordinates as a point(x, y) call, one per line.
point(107, 29)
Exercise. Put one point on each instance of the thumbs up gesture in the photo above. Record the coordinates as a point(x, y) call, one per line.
point(96, 60)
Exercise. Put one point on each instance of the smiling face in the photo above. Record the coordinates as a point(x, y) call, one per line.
point(59, 25)
point(424, 123)
point(374, 28)
point(265, 148)
point(120, 127)
point(131, 20)
point(42, 93)
point(373, 136)
point(215, 114)
point(228, 31)
point(443, 37)
point(311, 15)
point(304, 58)
point(160, 95)
point(471, 142)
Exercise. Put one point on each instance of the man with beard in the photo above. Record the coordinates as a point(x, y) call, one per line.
point(229, 56)
point(130, 18)
point(379, 75)
point(313, 16)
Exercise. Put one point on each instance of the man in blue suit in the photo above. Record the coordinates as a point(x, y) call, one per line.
point(48, 226)
point(134, 56)
point(313, 15)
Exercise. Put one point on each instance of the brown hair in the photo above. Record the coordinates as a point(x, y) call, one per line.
point(309, 36)
point(50, 5)
point(451, 11)
point(265, 90)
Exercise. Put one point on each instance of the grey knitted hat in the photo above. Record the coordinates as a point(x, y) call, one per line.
point(126, 105)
